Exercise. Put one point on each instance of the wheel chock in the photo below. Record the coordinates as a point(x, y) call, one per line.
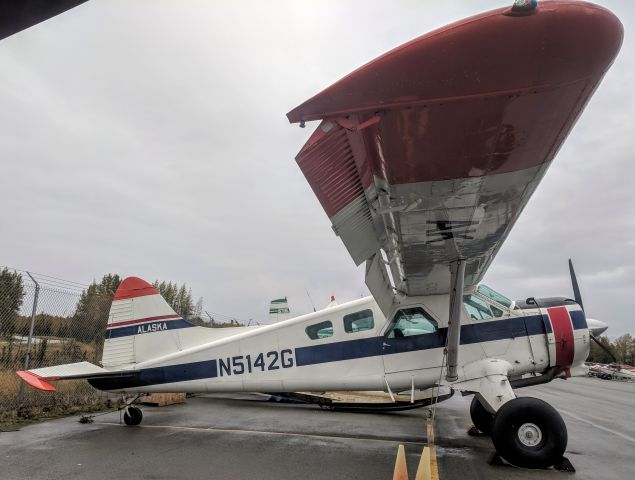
point(564, 465)
point(496, 460)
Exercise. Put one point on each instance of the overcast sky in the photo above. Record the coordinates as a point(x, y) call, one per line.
point(149, 138)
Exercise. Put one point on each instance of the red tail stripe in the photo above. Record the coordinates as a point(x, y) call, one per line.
point(133, 287)
point(36, 381)
point(142, 320)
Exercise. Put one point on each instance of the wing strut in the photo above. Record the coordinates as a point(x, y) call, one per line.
point(457, 274)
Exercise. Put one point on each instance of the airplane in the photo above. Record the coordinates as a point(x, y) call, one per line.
point(423, 160)
point(279, 310)
point(611, 371)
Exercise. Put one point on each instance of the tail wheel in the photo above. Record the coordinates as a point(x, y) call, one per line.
point(132, 416)
point(529, 433)
point(481, 418)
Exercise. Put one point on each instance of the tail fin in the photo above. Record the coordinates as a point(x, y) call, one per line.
point(139, 309)
point(332, 302)
point(279, 310)
point(141, 326)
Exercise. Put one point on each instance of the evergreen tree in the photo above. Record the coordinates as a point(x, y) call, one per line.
point(597, 355)
point(11, 298)
point(91, 314)
point(198, 308)
point(623, 347)
point(179, 298)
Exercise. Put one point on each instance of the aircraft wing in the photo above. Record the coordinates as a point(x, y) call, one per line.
point(17, 15)
point(431, 151)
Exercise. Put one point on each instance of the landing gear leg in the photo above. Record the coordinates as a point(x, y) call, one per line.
point(529, 433)
point(481, 418)
point(132, 415)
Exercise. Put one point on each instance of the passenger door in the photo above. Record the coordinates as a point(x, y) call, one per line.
point(412, 342)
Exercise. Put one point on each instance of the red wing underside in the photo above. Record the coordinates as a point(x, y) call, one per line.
point(431, 151)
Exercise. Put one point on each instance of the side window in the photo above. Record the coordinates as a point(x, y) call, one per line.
point(497, 297)
point(477, 309)
point(410, 322)
point(359, 321)
point(320, 330)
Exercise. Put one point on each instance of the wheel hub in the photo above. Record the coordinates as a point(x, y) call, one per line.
point(529, 434)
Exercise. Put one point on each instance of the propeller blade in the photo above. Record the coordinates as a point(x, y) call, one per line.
point(599, 344)
point(574, 282)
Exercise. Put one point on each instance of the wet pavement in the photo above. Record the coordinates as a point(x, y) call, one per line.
point(244, 436)
point(600, 419)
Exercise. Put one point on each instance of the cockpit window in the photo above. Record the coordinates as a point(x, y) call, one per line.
point(410, 322)
point(478, 309)
point(359, 321)
point(320, 330)
point(497, 297)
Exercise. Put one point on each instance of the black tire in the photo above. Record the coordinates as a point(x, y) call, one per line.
point(481, 418)
point(529, 433)
point(132, 416)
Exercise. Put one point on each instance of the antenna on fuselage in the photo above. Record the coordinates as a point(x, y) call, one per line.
point(310, 299)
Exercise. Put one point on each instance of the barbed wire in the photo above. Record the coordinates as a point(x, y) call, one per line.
point(44, 277)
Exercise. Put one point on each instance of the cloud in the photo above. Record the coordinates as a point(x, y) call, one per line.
point(149, 139)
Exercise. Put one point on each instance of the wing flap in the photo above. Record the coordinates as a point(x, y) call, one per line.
point(431, 152)
point(328, 163)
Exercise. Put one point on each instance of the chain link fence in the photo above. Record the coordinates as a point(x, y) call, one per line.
point(44, 322)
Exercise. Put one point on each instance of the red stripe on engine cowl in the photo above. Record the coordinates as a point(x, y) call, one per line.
point(563, 331)
point(143, 320)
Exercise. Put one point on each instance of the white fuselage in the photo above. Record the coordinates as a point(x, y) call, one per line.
point(283, 358)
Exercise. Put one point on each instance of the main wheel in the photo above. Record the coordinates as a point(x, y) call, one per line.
point(481, 418)
point(132, 416)
point(529, 433)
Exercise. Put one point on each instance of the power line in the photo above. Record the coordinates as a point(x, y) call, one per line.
point(48, 277)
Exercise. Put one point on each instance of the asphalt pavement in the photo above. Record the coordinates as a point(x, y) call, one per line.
point(245, 437)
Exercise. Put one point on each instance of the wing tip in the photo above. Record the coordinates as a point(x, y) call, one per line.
point(35, 380)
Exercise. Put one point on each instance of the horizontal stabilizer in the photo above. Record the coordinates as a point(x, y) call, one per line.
point(39, 377)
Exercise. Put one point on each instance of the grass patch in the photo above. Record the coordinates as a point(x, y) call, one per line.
point(71, 398)
point(16, 419)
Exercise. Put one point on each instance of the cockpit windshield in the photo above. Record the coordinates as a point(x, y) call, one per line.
point(497, 297)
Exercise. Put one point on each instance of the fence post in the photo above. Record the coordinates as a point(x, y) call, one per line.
point(30, 339)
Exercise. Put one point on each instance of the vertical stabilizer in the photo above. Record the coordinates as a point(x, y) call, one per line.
point(141, 325)
point(332, 303)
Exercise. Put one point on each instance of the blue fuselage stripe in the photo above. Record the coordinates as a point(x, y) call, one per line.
point(159, 375)
point(139, 329)
point(578, 319)
point(370, 347)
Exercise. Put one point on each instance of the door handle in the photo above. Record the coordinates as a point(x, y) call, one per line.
point(386, 345)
